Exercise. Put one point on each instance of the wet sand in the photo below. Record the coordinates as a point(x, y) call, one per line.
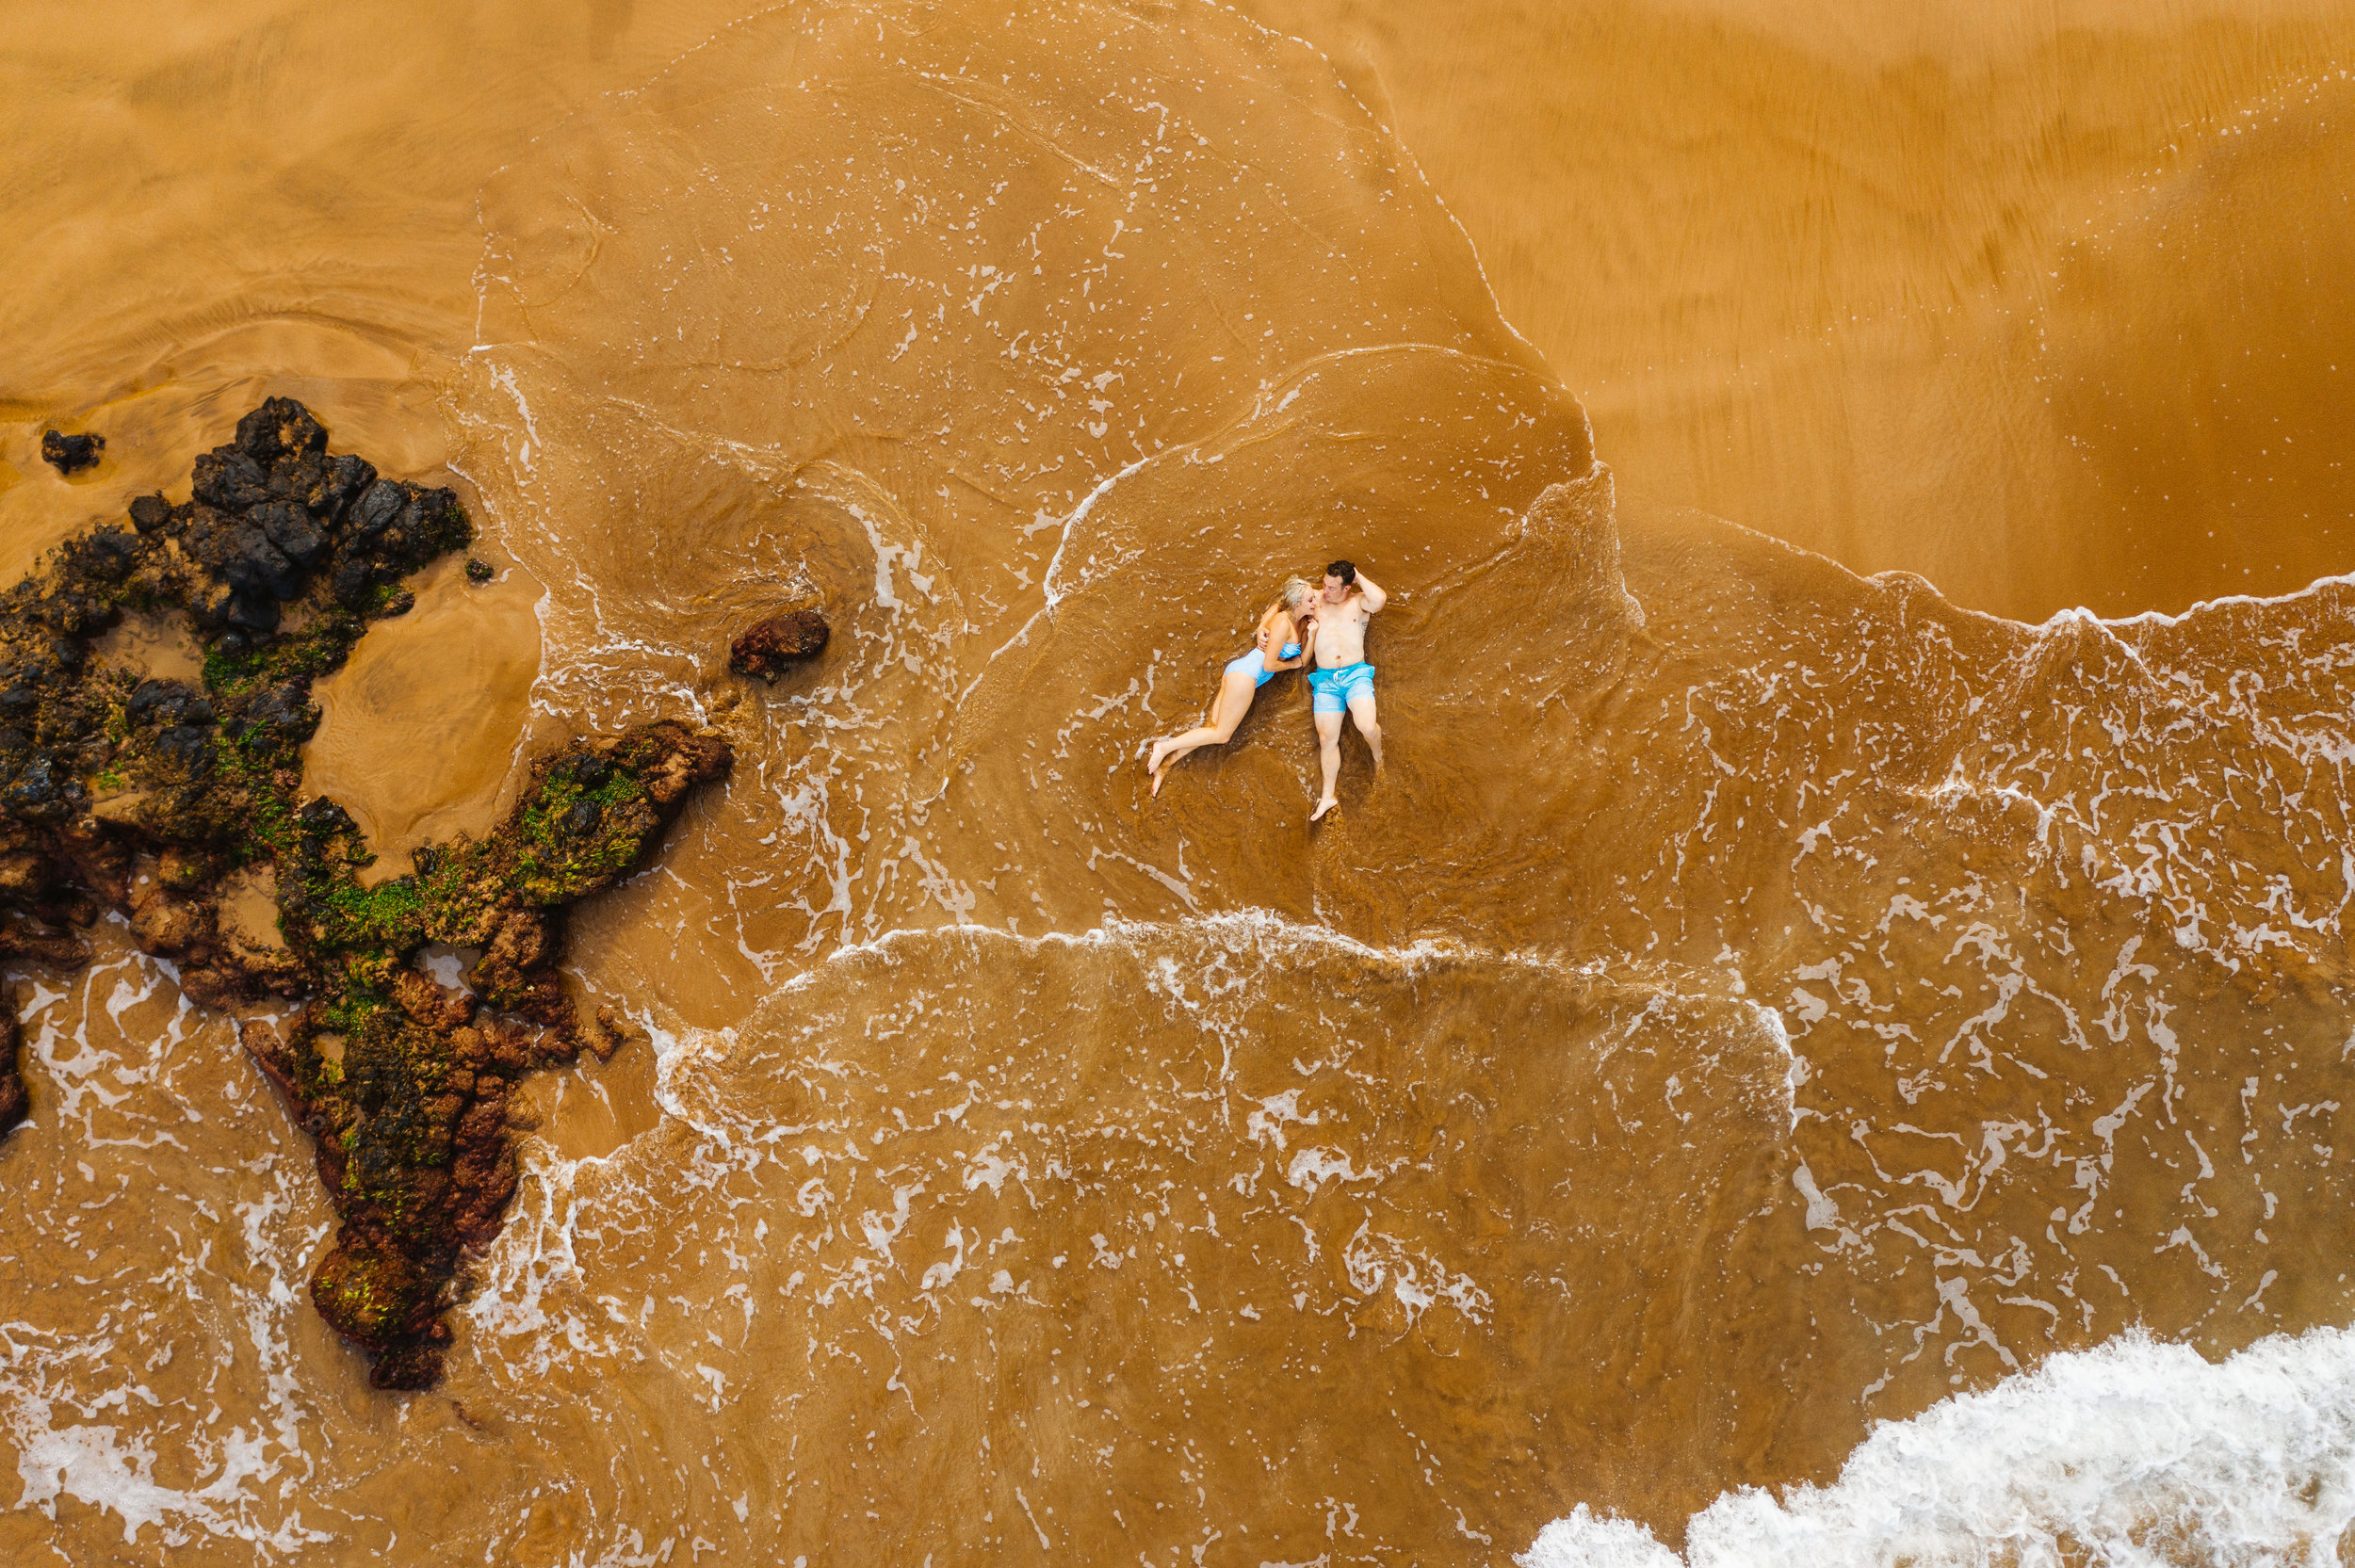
point(420, 731)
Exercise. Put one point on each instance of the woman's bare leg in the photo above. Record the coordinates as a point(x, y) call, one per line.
point(1235, 692)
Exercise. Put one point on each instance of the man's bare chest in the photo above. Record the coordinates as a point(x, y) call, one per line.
point(1340, 629)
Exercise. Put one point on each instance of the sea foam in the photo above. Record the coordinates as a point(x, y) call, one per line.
point(2134, 1453)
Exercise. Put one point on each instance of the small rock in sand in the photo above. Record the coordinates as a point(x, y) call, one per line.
point(66, 453)
point(768, 646)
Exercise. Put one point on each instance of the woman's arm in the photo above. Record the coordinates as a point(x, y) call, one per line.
point(1303, 634)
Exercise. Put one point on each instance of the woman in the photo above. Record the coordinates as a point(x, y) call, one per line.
point(1277, 646)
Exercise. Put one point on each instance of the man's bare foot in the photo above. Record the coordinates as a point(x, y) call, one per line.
point(1323, 806)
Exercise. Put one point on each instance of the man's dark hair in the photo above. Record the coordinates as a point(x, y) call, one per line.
point(1342, 570)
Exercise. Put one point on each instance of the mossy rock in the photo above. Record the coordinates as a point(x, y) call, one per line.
point(373, 1295)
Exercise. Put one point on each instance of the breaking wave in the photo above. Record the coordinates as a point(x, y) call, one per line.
point(2134, 1453)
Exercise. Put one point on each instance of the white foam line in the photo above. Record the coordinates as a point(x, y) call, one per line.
point(1257, 924)
point(1050, 595)
point(2062, 617)
point(2058, 618)
point(2161, 617)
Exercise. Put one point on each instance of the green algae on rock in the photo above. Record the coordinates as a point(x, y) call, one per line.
point(404, 1083)
point(147, 796)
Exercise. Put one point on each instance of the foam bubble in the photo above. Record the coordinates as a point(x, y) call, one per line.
point(2135, 1452)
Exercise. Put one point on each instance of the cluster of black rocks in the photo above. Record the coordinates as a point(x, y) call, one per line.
point(271, 509)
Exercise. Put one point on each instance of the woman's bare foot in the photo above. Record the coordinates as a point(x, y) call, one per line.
point(1153, 762)
point(1323, 806)
point(1158, 774)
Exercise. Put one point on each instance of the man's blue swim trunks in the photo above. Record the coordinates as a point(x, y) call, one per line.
point(1335, 688)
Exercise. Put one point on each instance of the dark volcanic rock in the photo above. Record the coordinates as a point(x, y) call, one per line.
point(280, 426)
point(150, 513)
point(768, 647)
point(230, 479)
point(14, 1103)
point(290, 531)
point(166, 703)
point(378, 508)
point(235, 551)
point(66, 453)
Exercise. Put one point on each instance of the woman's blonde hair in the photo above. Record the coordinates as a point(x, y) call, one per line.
point(1296, 591)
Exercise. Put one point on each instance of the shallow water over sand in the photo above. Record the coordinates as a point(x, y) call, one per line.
point(1756, 1001)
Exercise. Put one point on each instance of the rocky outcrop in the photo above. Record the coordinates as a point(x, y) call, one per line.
point(143, 796)
point(769, 648)
point(405, 1084)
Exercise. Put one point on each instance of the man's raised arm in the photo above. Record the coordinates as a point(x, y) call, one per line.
point(1375, 598)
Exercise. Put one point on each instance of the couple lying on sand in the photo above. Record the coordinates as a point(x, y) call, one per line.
point(1333, 623)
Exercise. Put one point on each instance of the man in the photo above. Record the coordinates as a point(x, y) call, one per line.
point(1342, 680)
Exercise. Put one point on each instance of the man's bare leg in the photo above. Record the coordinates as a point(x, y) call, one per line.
point(1329, 754)
point(1361, 712)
